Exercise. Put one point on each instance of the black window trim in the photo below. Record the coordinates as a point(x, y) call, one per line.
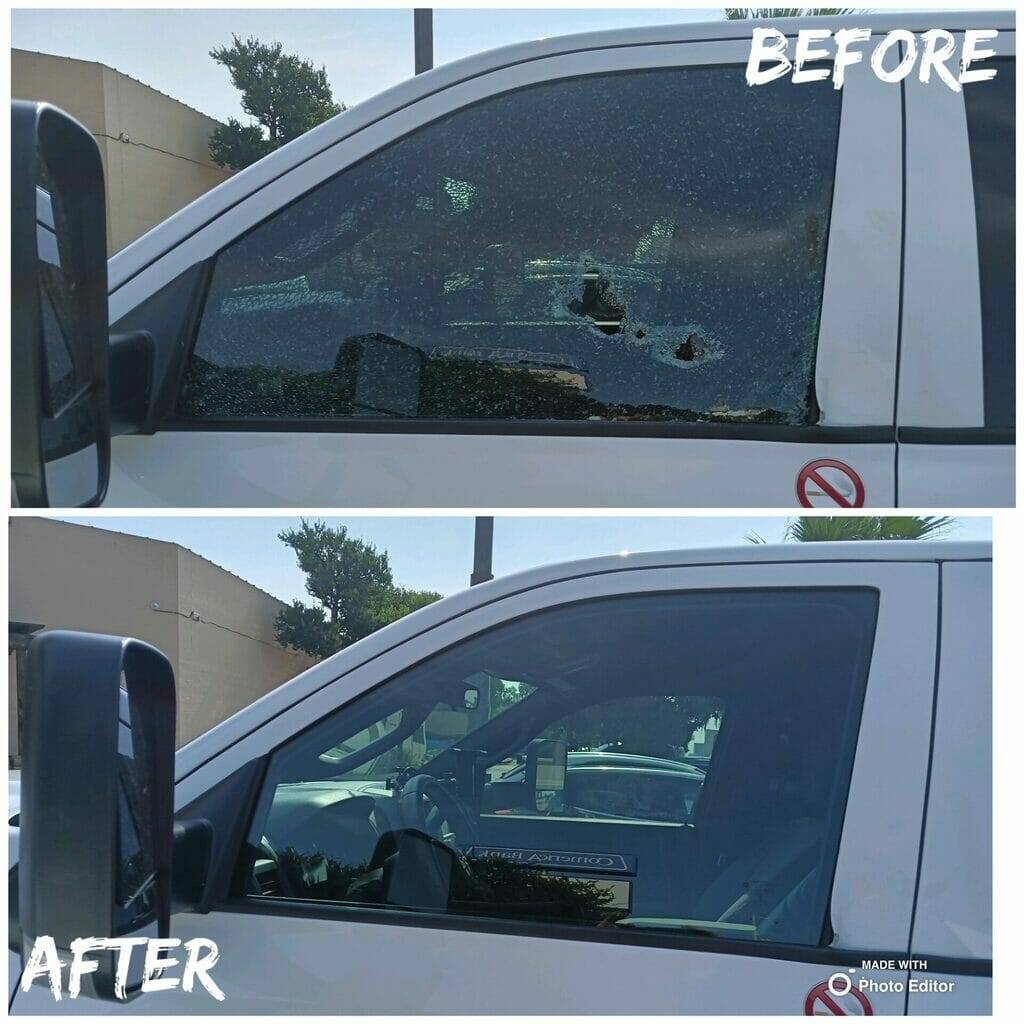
point(957, 435)
point(810, 433)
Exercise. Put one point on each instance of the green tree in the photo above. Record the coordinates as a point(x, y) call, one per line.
point(398, 602)
point(352, 584)
point(306, 628)
point(825, 528)
point(504, 694)
point(285, 94)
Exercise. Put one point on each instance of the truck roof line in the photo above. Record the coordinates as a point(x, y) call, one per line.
point(147, 249)
point(200, 750)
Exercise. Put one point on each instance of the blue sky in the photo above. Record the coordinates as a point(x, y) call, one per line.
point(435, 552)
point(364, 51)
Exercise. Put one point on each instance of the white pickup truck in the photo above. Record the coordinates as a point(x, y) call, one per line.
point(590, 270)
point(716, 781)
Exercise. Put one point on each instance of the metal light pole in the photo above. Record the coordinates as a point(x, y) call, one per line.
point(423, 38)
point(483, 549)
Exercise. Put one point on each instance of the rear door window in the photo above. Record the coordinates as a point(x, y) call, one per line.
point(641, 246)
point(991, 127)
point(664, 762)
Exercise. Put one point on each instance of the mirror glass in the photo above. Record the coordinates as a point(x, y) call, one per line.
point(137, 886)
point(135, 882)
point(546, 763)
point(70, 422)
point(551, 764)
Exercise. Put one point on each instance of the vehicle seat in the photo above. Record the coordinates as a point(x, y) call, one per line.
point(753, 886)
point(768, 860)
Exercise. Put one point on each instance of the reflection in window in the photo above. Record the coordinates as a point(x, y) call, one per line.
point(640, 246)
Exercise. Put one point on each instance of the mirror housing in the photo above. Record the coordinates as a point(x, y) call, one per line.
point(97, 796)
point(60, 414)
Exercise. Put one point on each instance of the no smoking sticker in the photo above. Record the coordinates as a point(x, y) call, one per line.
point(829, 483)
point(837, 997)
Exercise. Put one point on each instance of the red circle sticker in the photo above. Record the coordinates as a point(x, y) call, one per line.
point(821, 1002)
point(828, 483)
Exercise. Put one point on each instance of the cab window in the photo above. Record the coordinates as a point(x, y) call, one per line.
point(640, 246)
point(670, 763)
point(991, 127)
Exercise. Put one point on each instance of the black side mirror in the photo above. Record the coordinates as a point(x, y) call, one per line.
point(60, 412)
point(97, 796)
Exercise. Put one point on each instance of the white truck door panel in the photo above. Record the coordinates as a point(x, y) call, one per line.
point(207, 468)
point(940, 346)
point(957, 475)
point(954, 909)
point(316, 961)
point(288, 464)
point(303, 965)
point(938, 994)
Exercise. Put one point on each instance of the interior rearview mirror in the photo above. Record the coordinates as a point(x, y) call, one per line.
point(97, 796)
point(60, 412)
point(471, 699)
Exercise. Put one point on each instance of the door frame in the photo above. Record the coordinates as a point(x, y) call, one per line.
point(856, 344)
point(876, 870)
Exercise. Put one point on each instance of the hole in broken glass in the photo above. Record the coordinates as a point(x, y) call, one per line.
point(599, 303)
point(692, 348)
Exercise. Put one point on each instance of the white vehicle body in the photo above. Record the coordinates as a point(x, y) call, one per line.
point(912, 871)
point(899, 373)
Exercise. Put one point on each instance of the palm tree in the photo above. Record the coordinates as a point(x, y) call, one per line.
point(741, 13)
point(808, 529)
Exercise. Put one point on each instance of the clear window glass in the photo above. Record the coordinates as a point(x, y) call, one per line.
point(668, 762)
point(646, 245)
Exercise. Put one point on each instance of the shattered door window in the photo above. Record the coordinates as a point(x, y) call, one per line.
point(639, 246)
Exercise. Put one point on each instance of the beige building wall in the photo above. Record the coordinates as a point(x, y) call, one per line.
point(226, 645)
point(155, 150)
point(216, 629)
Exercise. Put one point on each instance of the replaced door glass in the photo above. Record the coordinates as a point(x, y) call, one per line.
point(642, 246)
point(692, 773)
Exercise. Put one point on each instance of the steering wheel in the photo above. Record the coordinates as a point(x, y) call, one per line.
point(414, 803)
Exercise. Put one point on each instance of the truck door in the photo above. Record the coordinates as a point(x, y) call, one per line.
point(789, 855)
point(618, 271)
point(953, 923)
point(957, 353)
